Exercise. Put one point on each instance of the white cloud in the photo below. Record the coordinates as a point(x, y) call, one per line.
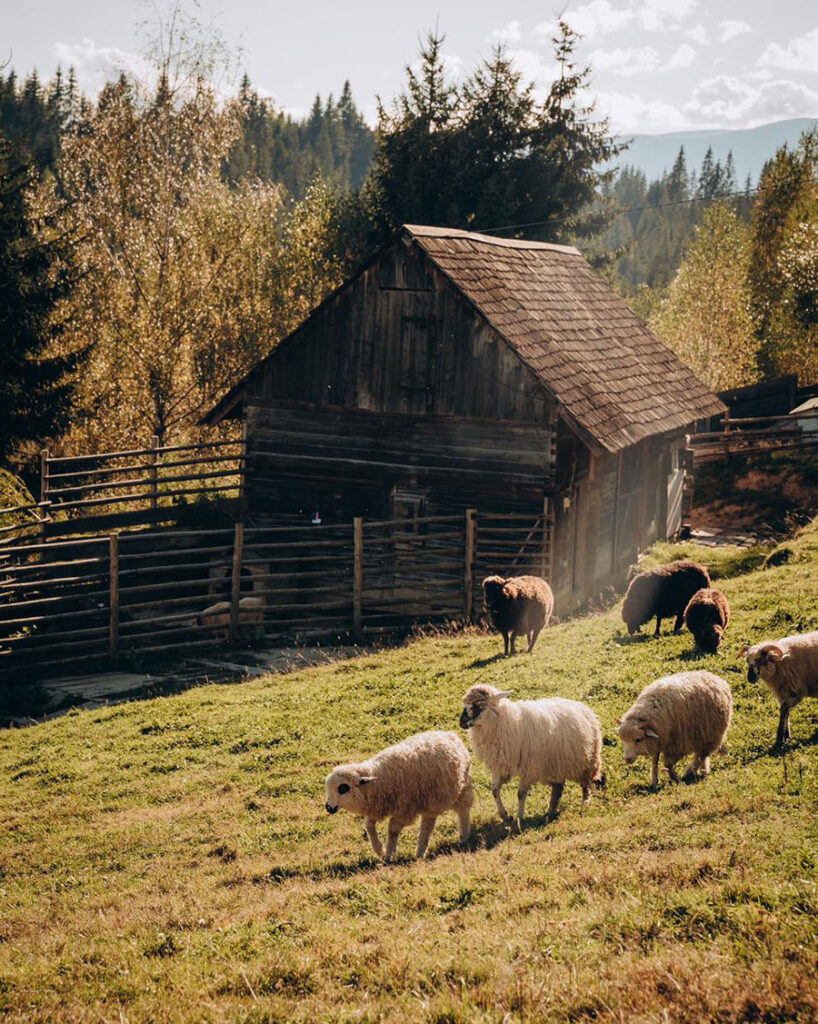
point(631, 115)
point(510, 33)
point(96, 65)
point(731, 29)
point(625, 62)
point(682, 58)
point(699, 35)
point(598, 18)
point(799, 54)
point(728, 101)
point(536, 68)
point(657, 15)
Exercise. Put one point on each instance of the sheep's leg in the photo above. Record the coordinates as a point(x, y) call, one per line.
point(464, 823)
point(513, 639)
point(505, 643)
point(392, 839)
point(694, 767)
point(671, 769)
point(586, 792)
point(374, 838)
point(654, 771)
point(783, 733)
point(658, 629)
point(533, 638)
point(522, 793)
point(677, 626)
point(497, 782)
point(704, 765)
point(427, 825)
point(554, 802)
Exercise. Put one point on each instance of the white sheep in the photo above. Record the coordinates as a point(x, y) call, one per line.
point(789, 667)
point(550, 740)
point(423, 775)
point(687, 713)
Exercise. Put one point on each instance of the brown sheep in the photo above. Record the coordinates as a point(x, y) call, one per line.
point(707, 616)
point(662, 592)
point(518, 604)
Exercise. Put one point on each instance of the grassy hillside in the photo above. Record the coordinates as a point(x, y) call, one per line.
point(171, 860)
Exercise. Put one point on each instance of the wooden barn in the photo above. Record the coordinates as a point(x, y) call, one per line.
point(456, 371)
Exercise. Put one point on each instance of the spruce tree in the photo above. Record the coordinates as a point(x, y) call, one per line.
point(34, 395)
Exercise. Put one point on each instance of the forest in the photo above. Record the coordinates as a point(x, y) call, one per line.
point(158, 239)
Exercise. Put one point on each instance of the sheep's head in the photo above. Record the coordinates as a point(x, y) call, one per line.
point(762, 660)
point(637, 607)
point(638, 737)
point(710, 637)
point(493, 595)
point(477, 701)
point(344, 788)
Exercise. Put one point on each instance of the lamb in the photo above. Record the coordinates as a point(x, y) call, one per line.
point(423, 775)
point(686, 713)
point(707, 616)
point(518, 604)
point(789, 667)
point(550, 740)
point(662, 592)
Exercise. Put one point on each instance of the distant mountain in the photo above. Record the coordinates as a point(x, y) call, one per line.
point(654, 154)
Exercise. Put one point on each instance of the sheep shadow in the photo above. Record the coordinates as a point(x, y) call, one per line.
point(626, 639)
point(694, 655)
point(484, 662)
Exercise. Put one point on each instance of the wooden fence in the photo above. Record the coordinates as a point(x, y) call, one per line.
point(755, 435)
point(139, 481)
point(78, 602)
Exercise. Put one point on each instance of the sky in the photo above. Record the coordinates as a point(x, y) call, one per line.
point(657, 65)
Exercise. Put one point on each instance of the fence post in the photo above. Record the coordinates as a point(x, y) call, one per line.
point(547, 537)
point(468, 577)
point(357, 573)
point(113, 576)
point(153, 472)
point(235, 585)
point(44, 475)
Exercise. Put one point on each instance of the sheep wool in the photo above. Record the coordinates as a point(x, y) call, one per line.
point(663, 592)
point(707, 616)
point(686, 713)
point(789, 667)
point(518, 605)
point(552, 741)
point(422, 776)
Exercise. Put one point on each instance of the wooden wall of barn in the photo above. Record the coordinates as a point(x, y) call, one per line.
point(396, 389)
point(607, 509)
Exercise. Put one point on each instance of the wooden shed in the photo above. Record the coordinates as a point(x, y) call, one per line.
point(457, 370)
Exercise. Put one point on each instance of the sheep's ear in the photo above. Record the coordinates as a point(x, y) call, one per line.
point(364, 779)
point(500, 694)
point(743, 651)
point(774, 652)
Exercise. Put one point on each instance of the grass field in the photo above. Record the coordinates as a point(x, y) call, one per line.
point(171, 860)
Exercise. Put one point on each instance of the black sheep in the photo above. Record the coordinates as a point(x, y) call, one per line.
point(707, 616)
point(662, 592)
point(518, 605)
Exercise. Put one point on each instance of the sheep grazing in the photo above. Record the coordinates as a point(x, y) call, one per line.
point(662, 592)
point(707, 616)
point(517, 605)
point(423, 775)
point(790, 668)
point(551, 740)
point(688, 713)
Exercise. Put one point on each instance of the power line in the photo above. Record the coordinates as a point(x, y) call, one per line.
point(640, 209)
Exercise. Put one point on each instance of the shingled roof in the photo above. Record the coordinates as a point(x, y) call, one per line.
point(612, 375)
point(614, 379)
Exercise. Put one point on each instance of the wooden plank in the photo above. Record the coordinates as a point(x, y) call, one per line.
point(113, 633)
point(235, 586)
point(468, 569)
point(357, 572)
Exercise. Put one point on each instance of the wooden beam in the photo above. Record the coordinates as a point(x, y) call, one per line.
point(113, 627)
point(357, 573)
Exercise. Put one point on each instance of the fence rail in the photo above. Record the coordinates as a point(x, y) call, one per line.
point(754, 435)
point(66, 603)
